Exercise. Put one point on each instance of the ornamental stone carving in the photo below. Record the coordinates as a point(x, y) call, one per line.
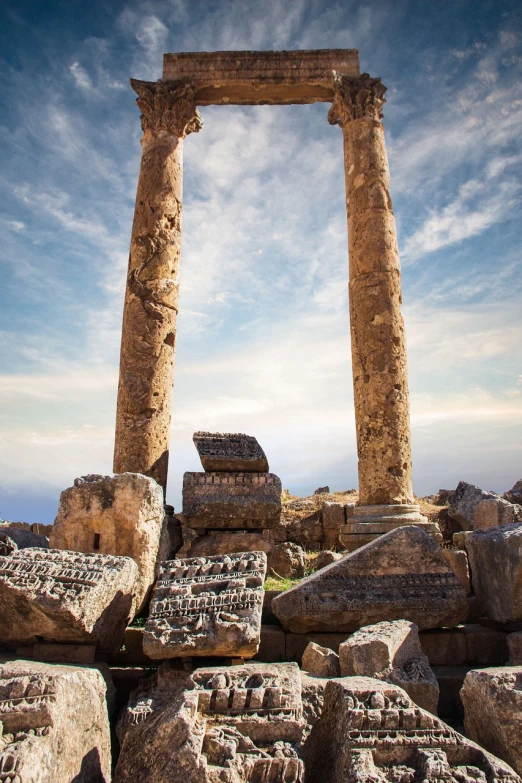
point(355, 99)
point(167, 107)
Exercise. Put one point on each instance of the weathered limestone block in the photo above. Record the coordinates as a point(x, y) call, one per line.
point(492, 701)
point(465, 505)
point(70, 597)
point(496, 513)
point(238, 724)
point(391, 651)
point(495, 557)
point(54, 726)
point(514, 495)
point(12, 539)
point(321, 661)
point(207, 606)
point(401, 575)
point(231, 500)
point(287, 560)
point(231, 453)
point(114, 515)
point(333, 515)
point(514, 641)
point(324, 558)
point(458, 560)
point(225, 542)
point(372, 731)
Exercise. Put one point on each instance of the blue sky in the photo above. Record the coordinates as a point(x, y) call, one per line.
point(263, 336)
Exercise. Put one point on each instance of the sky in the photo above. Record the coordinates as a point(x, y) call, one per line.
point(263, 333)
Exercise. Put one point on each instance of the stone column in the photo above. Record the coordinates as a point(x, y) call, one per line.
point(380, 379)
point(168, 114)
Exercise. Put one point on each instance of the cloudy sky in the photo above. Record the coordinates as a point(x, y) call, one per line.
point(263, 335)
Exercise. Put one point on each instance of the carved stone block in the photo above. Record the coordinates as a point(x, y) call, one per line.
point(207, 606)
point(496, 570)
point(240, 724)
point(401, 575)
point(231, 500)
point(70, 597)
point(54, 726)
point(230, 452)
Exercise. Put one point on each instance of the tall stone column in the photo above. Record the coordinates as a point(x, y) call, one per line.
point(168, 114)
point(380, 379)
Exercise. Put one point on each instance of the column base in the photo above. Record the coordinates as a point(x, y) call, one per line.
point(369, 522)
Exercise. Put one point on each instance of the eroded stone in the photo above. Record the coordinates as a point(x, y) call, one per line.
point(12, 538)
point(495, 557)
point(230, 452)
point(321, 661)
point(287, 560)
point(231, 500)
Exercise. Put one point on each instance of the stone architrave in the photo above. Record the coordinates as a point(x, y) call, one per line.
point(69, 597)
point(54, 726)
point(392, 651)
point(492, 700)
point(372, 731)
point(377, 331)
point(401, 575)
point(495, 559)
point(207, 606)
point(168, 114)
point(231, 500)
point(115, 515)
point(240, 724)
point(230, 453)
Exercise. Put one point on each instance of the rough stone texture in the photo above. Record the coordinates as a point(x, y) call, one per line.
point(458, 560)
point(401, 575)
point(272, 648)
point(392, 651)
point(372, 731)
point(287, 560)
point(321, 661)
point(229, 452)
point(238, 724)
point(465, 501)
point(58, 596)
point(231, 500)
point(496, 513)
point(366, 523)
point(514, 641)
point(207, 606)
point(492, 701)
point(333, 515)
point(444, 646)
point(514, 495)
point(168, 114)
point(49, 652)
point(44, 736)
point(12, 539)
point(226, 542)
point(378, 345)
point(325, 558)
point(114, 515)
point(495, 557)
point(485, 646)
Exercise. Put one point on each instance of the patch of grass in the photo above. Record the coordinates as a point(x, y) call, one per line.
point(278, 583)
point(138, 622)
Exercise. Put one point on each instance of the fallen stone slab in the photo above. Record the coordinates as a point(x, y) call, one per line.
point(69, 597)
point(372, 731)
point(12, 538)
point(475, 508)
point(392, 651)
point(492, 701)
point(230, 452)
point(55, 726)
point(207, 606)
point(321, 661)
point(495, 557)
point(115, 515)
point(241, 724)
point(401, 575)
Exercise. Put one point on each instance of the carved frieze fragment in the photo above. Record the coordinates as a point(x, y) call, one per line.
point(230, 452)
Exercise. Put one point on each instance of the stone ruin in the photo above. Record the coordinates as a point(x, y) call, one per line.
point(159, 627)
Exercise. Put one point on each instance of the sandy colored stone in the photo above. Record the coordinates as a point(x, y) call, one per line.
point(492, 701)
point(231, 500)
point(168, 114)
point(372, 731)
point(44, 736)
point(225, 542)
point(333, 515)
point(444, 646)
point(458, 560)
point(401, 575)
point(391, 651)
point(207, 606)
point(70, 597)
point(321, 661)
point(239, 724)
point(324, 558)
point(465, 502)
point(495, 558)
point(287, 560)
point(514, 495)
point(230, 452)
point(116, 515)
point(50, 652)
point(496, 512)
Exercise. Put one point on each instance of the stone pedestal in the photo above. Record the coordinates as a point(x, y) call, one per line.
point(151, 298)
point(367, 523)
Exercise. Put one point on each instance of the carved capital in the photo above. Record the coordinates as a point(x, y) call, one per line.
point(167, 106)
point(355, 99)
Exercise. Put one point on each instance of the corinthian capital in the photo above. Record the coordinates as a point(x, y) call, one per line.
point(354, 99)
point(167, 107)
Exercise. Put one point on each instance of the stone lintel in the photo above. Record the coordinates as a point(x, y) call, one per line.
point(268, 77)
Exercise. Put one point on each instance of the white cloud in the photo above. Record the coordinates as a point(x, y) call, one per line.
point(81, 77)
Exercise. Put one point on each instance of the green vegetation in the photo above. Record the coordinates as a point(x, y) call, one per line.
point(278, 583)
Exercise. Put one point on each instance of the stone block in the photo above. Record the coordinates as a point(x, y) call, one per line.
point(296, 643)
point(207, 606)
point(240, 723)
point(475, 609)
point(64, 653)
point(458, 560)
point(460, 538)
point(465, 501)
point(114, 515)
point(514, 642)
point(444, 646)
point(231, 500)
point(450, 679)
point(492, 701)
point(372, 731)
point(55, 726)
point(495, 558)
point(230, 453)
point(324, 558)
point(272, 647)
point(131, 652)
point(286, 560)
point(485, 646)
point(514, 495)
point(401, 575)
point(228, 542)
point(495, 512)
point(12, 538)
point(333, 516)
point(320, 661)
point(67, 597)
